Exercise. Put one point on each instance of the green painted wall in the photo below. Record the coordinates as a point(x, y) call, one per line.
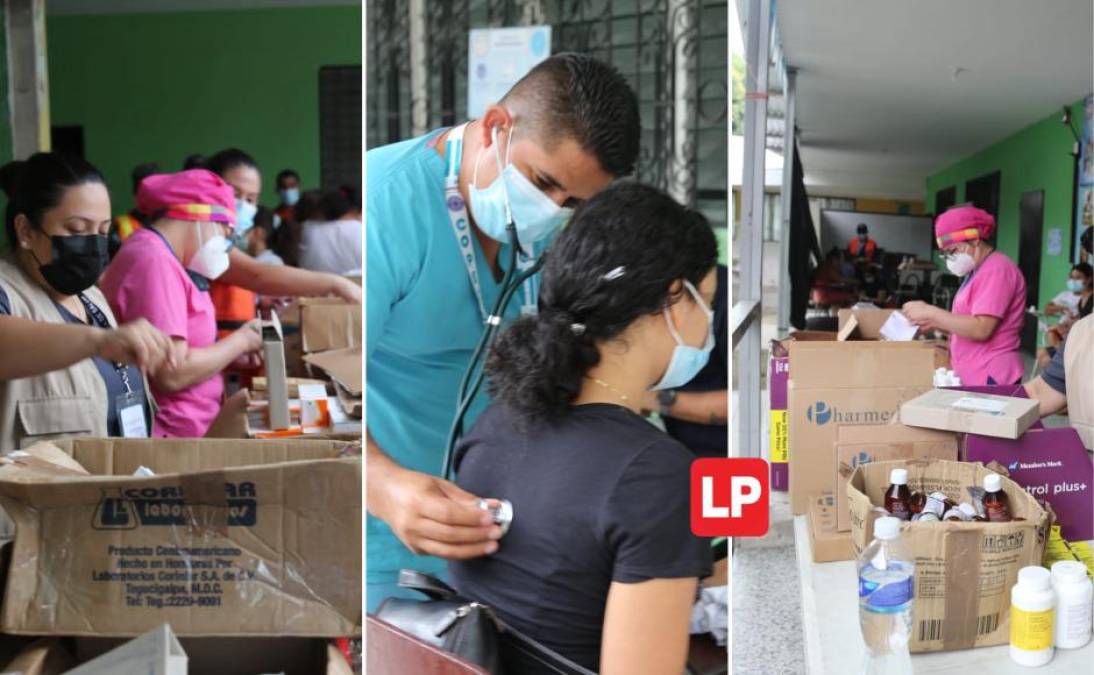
point(160, 86)
point(1035, 158)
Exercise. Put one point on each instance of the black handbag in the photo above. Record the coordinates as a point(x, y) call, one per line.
point(470, 630)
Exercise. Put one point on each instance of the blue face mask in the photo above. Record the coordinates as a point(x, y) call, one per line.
point(290, 196)
point(245, 220)
point(1075, 285)
point(687, 361)
point(534, 214)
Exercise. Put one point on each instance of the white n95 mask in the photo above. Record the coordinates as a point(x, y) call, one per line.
point(535, 215)
point(211, 259)
point(960, 264)
point(687, 361)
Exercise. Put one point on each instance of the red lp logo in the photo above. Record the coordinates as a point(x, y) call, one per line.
point(729, 497)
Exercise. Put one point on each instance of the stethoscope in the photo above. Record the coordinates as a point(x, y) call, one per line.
point(473, 377)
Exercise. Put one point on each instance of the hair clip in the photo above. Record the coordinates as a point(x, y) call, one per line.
point(577, 328)
point(615, 274)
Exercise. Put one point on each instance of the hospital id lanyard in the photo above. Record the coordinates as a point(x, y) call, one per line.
point(129, 406)
point(457, 215)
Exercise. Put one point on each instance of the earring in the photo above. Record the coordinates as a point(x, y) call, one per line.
point(25, 243)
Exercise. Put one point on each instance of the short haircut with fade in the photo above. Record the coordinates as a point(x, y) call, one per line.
point(576, 96)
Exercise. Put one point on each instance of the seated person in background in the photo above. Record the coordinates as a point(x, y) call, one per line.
point(334, 243)
point(830, 287)
point(862, 247)
point(286, 241)
point(260, 236)
point(1067, 382)
point(288, 191)
point(695, 414)
point(1071, 304)
point(599, 564)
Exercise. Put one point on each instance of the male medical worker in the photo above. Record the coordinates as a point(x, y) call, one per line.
point(437, 248)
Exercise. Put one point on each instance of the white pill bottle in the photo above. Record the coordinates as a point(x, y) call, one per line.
point(1032, 605)
point(1074, 603)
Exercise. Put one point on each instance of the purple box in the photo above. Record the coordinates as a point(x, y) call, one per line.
point(1012, 390)
point(778, 378)
point(1052, 465)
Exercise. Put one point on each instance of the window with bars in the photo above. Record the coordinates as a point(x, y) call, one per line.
point(340, 150)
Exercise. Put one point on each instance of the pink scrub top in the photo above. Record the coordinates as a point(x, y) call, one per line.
point(997, 288)
point(146, 280)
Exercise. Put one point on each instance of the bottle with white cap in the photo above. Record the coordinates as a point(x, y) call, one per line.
point(996, 505)
point(1074, 596)
point(1032, 610)
point(886, 593)
point(898, 498)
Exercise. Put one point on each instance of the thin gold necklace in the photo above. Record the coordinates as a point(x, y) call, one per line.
point(623, 397)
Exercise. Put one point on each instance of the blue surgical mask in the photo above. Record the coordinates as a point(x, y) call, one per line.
point(1075, 285)
point(245, 220)
point(535, 215)
point(289, 196)
point(687, 361)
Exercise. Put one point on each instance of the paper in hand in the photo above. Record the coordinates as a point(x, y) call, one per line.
point(898, 329)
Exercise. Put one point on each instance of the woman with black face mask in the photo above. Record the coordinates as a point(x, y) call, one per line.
point(66, 367)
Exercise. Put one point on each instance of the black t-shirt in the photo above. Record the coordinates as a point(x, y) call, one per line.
point(111, 375)
point(709, 440)
point(598, 496)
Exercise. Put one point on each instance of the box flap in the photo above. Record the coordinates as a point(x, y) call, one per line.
point(343, 365)
point(326, 325)
point(860, 364)
point(867, 321)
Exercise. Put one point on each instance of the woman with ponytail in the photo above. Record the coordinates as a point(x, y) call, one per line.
point(599, 563)
point(66, 367)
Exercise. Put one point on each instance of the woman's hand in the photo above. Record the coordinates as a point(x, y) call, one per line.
point(347, 290)
point(249, 336)
point(921, 313)
point(137, 343)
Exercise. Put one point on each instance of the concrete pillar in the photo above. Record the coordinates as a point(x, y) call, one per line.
point(28, 76)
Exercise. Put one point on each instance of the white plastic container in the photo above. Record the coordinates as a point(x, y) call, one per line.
point(1032, 605)
point(1074, 604)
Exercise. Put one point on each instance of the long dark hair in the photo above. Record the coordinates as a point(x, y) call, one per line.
point(612, 264)
point(38, 184)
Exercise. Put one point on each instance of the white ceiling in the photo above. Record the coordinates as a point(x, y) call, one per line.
point(877, 104)
point(63, 7)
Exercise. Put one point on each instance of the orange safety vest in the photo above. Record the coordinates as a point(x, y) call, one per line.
point(871, 246)
point(234, 305)
point(126, 224)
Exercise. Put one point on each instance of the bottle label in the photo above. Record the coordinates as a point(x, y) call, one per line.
point(1031, 631)
point(886, 597)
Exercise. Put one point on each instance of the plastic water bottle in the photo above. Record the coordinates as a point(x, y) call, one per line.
point(886, 594)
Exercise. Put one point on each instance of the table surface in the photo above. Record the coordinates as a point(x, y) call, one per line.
point(833, 642)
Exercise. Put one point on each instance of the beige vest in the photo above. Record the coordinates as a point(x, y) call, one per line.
point(69, 402)
point(1079, 372)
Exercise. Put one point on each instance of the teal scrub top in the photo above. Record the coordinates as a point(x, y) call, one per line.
point(423, 322)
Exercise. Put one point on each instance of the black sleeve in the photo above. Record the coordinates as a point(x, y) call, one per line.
point(645, 521)
point(1053, 375)
point(5, 303)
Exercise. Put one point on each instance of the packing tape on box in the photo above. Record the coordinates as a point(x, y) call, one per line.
point(962, 561)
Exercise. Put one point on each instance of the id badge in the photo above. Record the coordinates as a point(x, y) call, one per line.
point(131, 419)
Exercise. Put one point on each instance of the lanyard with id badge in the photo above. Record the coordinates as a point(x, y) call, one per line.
point(520, 272)
point(130, 405)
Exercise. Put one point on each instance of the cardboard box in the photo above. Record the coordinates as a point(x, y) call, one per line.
point(229, 538)
point(244, 656)
point(867, 325)
point(277, 387)
point(970, 412)
point(329, 323)
point(44, 656)
point(827, 543)
point(779, 428)
point(857, 445)
point(1052, 465)
point(844, 383)
point(964, 571)
point(1012, 390)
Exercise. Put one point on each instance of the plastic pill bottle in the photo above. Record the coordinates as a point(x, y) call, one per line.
point(1032, 604)
point(1074, 598)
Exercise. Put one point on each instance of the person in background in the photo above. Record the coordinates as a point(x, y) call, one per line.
point(862, 247)
point(233, 293)
point(194, 161)
point(334, 243)
point(599, 563)
point(560, 135)
point(830, 287)
point(128, 223)
point(695, 413)
point(288, 191)
point(150, 278)
point(985, 325)
point(66, 367)
point(260, 236)
point(1071, 304)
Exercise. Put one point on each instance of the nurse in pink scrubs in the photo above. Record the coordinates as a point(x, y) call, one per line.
point(985, 325)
